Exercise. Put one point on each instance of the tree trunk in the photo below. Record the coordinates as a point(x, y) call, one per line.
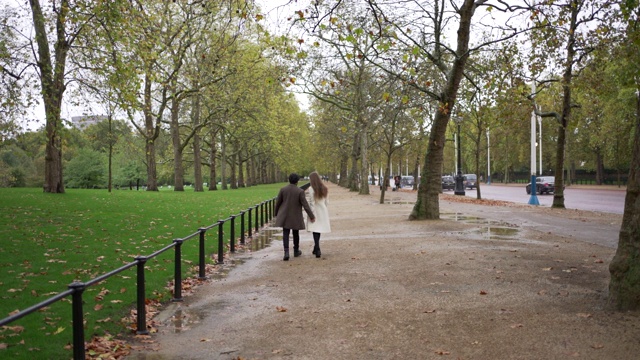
point(353, 174)
point(241, 183)
point(53, 87)
point(427, 203)
point(558, 194)
point(384, 182)
point(151, 134)
point(364, 165)
point(178, 169)
point(111, 138)
point(213, 182)
point(234, 169)
point(344, 164)
point(197, 155)
point(150, 150)
point(252, 171)
point(416, 171)
point(223, 161)
point(624, 287)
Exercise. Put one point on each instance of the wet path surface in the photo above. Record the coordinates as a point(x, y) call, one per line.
point(470, 286)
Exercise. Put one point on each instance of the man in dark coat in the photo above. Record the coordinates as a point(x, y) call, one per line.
point(289, 204)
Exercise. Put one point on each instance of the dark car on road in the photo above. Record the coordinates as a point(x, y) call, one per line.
point(544, 185)
point(407, 182)
point(470, 181)
point(448, 183)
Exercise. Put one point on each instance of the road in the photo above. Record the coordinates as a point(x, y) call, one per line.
point(609, 199)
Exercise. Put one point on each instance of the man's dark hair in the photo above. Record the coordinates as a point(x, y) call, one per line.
point(293, 178)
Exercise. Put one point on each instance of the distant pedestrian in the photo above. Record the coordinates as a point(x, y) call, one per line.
point(397, 181)
point(289, 204)
point(318, 200)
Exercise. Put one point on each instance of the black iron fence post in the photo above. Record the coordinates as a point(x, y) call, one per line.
point(257, 220)
point(78, 320)
point(232, 234)
point(201, 256)
point(268, 210)
point(262, 214)
point(140, 301)
point(220, 242)
point(271, 209)
point(249, 225)
point(242, 227)
point(177, 286)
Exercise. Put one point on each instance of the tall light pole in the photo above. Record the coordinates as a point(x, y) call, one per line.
point(488, 159)
point(540, 144)
point(533, 200)
point(459, 189)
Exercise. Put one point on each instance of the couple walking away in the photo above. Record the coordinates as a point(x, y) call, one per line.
point(289, 204)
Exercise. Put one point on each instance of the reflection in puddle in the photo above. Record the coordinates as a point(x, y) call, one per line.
point(182, 319)
point(263, 239)
point(498, 233)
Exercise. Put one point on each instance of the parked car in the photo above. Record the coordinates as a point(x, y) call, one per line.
point(470, 181)
point(544, 185)
point(448, 182)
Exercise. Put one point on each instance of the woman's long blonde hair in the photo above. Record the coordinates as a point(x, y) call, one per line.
point(319, 189)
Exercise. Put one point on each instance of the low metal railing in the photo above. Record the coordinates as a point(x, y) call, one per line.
point(262, 213)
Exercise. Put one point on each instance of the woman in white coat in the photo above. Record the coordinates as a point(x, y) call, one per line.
point(317, 197)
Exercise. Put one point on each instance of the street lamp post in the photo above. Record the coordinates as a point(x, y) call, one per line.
point(533, 200)
point(488, 159)
point(459, 190)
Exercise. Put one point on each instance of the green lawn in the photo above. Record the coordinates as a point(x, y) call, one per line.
point(50, 240)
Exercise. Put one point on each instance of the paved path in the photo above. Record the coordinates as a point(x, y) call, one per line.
point(485, 282)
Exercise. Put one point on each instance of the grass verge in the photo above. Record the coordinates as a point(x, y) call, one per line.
point(51, 240)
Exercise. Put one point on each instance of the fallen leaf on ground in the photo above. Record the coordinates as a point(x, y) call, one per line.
point(281, 309)
point(515, 326)
point(597, 346)
point(442, 352)
point(482, 292)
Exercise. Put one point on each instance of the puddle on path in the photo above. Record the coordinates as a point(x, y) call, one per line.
point(183, 319)
point(489, 229)
point(399, 202)
point(256, 242)
point(264, 238)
